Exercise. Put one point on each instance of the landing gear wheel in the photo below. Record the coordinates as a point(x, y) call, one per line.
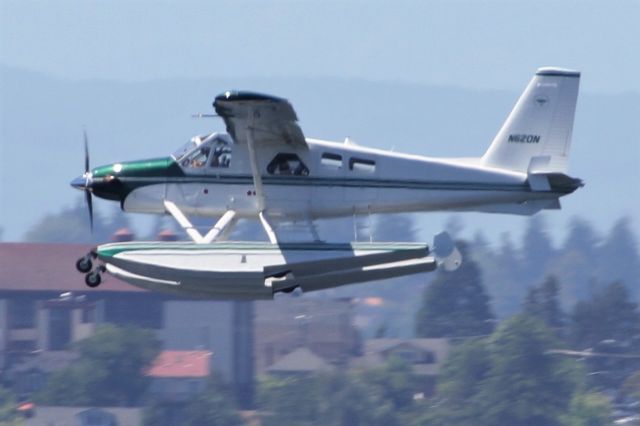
point(93, 279)
point(84, 264)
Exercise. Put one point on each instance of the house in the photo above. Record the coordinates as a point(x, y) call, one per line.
point(177, 376)
point(45, 306)
point(324, 326)
point(30, 373)
point(300, 362)
point(424, 355)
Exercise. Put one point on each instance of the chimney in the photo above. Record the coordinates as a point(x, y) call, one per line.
point(122, 235)
point(167, 235)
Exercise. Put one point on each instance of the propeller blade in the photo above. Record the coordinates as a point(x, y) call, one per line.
point(86, 152)
point(89, 199)
point(87, 193)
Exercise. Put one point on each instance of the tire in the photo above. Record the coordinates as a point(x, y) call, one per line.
point(92, 279)
point(84, 264)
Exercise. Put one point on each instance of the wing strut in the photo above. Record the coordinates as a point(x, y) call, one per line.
point(226, 221)
point(257, 178)
point(255, 169)
point(268, 229)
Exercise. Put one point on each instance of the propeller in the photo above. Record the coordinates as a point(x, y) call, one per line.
point(87, 179)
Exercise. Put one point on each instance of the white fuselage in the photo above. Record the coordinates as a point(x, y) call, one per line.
point(342, 179)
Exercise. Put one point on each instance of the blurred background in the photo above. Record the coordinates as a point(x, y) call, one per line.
point(540, 326)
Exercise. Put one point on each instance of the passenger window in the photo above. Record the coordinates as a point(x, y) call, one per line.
point(221, 157)
point(331, 160)
point(287, 165)
point(362, 165)
point(197, 158)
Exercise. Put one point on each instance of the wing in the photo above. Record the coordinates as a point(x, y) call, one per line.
point(272, 119)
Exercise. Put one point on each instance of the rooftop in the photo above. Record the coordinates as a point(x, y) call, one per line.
point(176, 364)
point(49, 267)
point(300, 360)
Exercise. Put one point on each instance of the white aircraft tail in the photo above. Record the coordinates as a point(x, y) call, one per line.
point(536, 137)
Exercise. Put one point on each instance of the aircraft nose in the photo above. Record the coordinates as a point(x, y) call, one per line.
point(80, 183)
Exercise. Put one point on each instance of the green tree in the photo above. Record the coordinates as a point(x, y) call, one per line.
point(454, 226)
point(331, 399)
point(8, 407)
point(501, 272)
point(395, 382)
point(543, 303)
point(581, 238)
point(609, 314)
point(588, 410)
point(608, 323)
point(158, 412)
point(576, 264)
point(394, 227)
point(619, 259)
point(110, 370)
point(536, 252)
point(213, 407)
point(459, 381)
point(631, 388)
point(525, 384)
point(351, 402)
point(455, 304)
point(71, 225)
point(291, 400)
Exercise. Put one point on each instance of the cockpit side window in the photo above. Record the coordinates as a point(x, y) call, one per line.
point(221, 157)
point(286, 164)
point(198, 158)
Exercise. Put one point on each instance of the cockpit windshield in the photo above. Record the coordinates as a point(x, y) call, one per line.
point(213, 150)
point(197, 158)
point(184, 149)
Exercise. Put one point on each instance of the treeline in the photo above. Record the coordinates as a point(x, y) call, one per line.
point(584, 262)
point(541, 366)
point(540, 363)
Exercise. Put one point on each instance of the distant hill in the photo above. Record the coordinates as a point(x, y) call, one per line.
point(41, 121)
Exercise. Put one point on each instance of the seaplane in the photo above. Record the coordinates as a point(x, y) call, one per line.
point(263, 167)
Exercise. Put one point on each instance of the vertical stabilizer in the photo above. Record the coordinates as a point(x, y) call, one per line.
point(537, 132)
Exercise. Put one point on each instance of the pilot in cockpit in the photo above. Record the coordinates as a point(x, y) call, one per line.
point(221, 155)
point(198, 158)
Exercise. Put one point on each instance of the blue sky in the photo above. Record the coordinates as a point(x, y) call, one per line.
point(478, 44)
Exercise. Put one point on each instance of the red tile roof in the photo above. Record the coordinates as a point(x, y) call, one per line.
point(48, 267)
point(181, 364)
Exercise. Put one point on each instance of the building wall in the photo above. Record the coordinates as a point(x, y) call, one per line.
point(177, 389)
point(81, 329)
point(205, 325)
point(326, 327)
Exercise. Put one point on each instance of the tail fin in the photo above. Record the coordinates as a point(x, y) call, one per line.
point(537, 134)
